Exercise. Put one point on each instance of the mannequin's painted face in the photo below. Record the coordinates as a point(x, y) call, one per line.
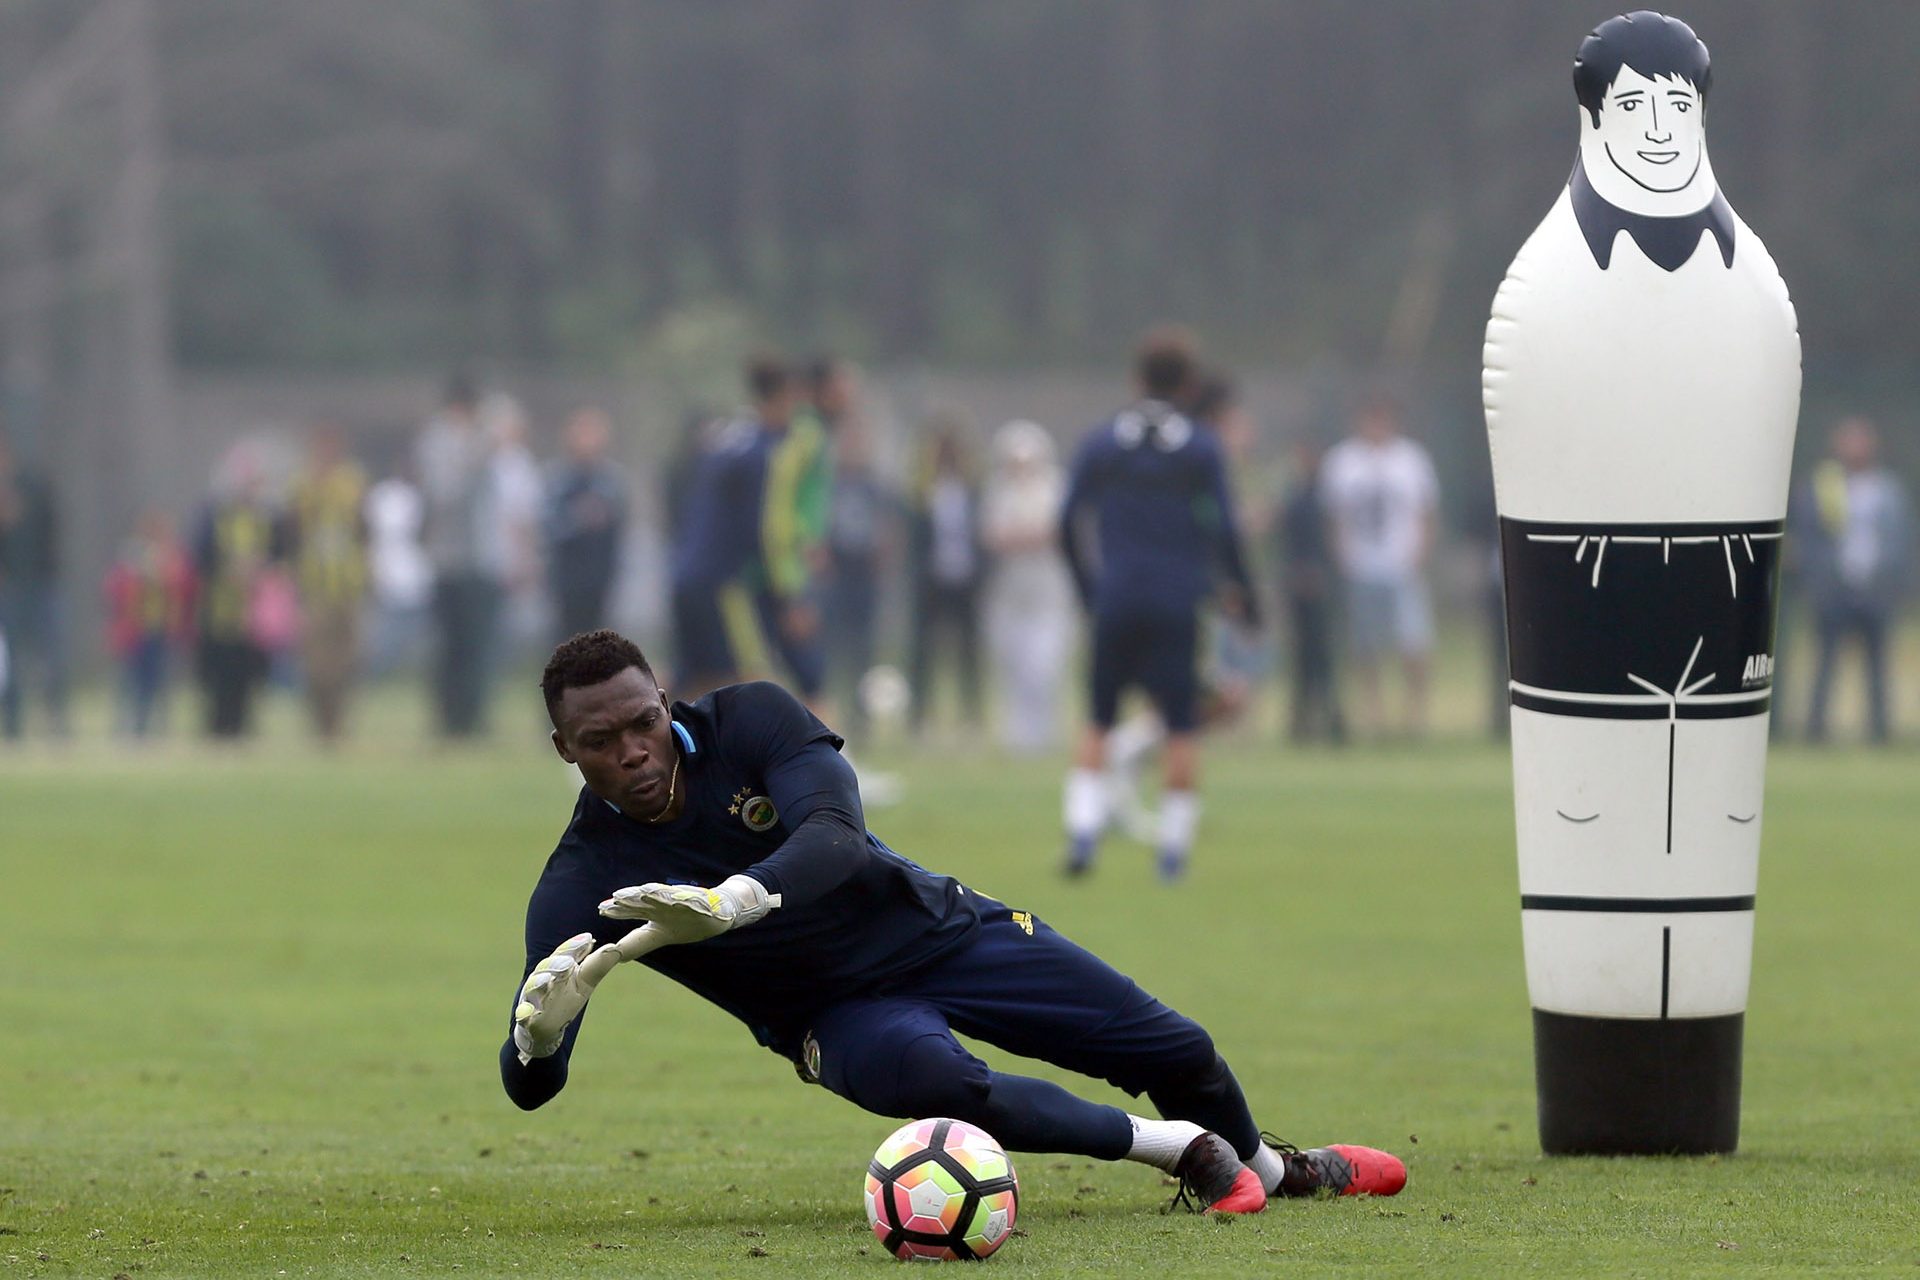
point(1652, 131)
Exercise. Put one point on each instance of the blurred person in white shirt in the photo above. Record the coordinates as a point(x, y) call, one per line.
point(517, 530)
point(398, 572)
point(1382, 501)
point(455, 460)
point(1029, 595)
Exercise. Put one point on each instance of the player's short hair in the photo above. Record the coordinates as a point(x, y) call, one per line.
point(767, 376)
point(1164, 363)
point(1651, 43)
point(590, 658)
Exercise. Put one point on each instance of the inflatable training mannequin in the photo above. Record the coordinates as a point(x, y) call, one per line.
point(1642, 383)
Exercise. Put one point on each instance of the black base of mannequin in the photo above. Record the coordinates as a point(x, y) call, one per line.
point(1638, 1086)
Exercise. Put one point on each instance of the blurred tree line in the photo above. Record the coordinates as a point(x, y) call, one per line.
point(370, 184)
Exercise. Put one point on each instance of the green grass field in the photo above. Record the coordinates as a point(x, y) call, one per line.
point(252, 1005)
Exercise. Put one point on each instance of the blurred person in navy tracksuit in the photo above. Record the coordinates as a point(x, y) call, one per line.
point(1147, 523)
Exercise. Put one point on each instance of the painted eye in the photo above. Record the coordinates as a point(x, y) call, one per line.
point(1570, 818)
point(1630, 104)
point(1683, 107)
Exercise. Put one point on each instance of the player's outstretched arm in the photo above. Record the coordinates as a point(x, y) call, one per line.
point(548, 1008)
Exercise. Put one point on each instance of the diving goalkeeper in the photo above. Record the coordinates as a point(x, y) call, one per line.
point(721, 843)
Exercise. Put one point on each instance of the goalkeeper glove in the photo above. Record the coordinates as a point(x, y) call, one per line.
point(689, 913)
point(558, 988)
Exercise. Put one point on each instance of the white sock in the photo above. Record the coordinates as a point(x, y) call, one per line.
point(1086, 804)
point(1268, 1167)
point(1179, 817)
point(1161, 1143)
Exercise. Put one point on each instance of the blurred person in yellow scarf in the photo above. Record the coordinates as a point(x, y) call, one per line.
point(244, 613)
point(1853, 536)
point(328, 532)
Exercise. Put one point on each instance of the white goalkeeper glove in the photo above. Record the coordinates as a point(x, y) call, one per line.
point(558, 988)
point(689, 913)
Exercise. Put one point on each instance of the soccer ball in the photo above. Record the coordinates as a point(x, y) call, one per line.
point(941, 1190)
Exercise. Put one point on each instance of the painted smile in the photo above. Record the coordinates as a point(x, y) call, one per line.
point(1658, 157)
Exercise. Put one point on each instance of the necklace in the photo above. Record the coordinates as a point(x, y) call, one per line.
point(672, 779)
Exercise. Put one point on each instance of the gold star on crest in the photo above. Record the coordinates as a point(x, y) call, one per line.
point(739, 798)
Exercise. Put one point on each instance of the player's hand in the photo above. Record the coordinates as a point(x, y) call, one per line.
point(690, 913)
point(556, 991)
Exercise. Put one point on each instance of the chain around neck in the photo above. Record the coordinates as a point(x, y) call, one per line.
point(673, 780)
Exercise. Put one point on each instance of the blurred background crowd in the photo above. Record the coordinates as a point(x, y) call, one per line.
point(241, 245)
point(910, 569)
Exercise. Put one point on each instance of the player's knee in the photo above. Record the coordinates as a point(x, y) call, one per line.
point(939, 1078)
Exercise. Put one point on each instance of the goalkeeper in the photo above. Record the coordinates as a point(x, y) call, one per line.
point(721, 843)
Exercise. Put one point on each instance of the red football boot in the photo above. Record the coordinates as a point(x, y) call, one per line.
point(1342, 1169)
point(1212, 1179)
